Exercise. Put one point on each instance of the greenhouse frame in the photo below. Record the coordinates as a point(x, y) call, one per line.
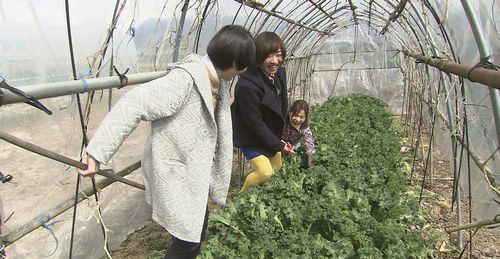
point(434, 64)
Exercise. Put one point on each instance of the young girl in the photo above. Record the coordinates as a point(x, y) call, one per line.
point(297, 128)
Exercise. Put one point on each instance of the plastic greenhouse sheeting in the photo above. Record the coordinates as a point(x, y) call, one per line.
point(333, 49)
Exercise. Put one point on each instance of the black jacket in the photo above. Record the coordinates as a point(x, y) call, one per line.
point(258, 111)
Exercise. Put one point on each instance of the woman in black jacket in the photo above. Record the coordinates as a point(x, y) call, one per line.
point(259, 109)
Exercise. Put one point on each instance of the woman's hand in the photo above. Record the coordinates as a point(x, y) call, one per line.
point(92, 167)
point(288, 148)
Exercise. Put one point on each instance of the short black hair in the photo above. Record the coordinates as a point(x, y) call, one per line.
point(266, 43)
point(232, 45)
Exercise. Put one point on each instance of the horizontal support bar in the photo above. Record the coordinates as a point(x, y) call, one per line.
point(42, 91)
point(478, 224)
point(480, 75)
point(63, 159)
point(45, 217)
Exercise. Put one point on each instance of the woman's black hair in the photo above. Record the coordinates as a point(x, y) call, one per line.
point(266, 43)
point(232, 45)
point(296, 107)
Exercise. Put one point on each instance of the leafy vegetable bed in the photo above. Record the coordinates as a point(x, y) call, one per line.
point(353, 204)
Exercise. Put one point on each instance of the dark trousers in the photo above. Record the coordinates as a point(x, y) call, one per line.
point(180, 249)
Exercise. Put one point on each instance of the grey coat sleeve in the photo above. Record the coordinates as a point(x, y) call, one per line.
point(151, 101)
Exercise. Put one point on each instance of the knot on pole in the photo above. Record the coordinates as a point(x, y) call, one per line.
point(483, 63)
point(29, 99)
point(123, 77)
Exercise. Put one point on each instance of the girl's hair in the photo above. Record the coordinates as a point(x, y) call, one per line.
point(232, 45)
point(296, 107)
point(266, 43)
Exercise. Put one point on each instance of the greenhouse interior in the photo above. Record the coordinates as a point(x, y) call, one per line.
point(405, 114)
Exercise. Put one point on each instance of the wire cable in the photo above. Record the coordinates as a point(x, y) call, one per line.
point(84, 133)
point(198, 32)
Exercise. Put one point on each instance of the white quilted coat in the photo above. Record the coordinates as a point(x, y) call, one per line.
point(188, 153)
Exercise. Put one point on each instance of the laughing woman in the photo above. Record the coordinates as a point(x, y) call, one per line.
point(259, 109)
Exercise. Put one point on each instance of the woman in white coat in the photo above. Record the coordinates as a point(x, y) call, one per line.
point(188, 154)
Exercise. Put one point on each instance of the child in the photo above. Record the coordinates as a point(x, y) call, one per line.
point(297, 128)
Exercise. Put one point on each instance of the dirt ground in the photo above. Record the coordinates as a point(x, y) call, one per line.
point(151, 240)
point(438, 204)
point(42, 190)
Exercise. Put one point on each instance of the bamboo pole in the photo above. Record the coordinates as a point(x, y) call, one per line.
point(481, 75)
point(63, 159)
point(180, 30)
point(394, 15)
point(45, 217)
point(478, 224)
point(260, 8)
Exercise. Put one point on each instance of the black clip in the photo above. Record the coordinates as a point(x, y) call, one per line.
point(5, 178)
point(123, 77)
point(29, 99)
point(483, 63)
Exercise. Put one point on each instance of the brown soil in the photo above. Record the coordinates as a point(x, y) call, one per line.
point(147, 242)
point(437, 201)
point(151, 241)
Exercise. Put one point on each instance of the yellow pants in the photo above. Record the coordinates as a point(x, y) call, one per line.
point(264, 168)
